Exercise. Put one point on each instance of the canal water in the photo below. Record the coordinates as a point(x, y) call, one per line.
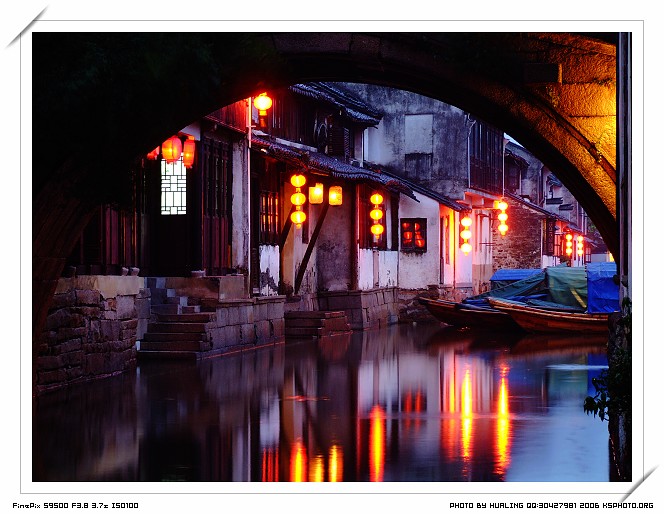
point(411, 403)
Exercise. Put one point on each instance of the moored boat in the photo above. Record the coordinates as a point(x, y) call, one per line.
point(466, 315)
point(534, 319)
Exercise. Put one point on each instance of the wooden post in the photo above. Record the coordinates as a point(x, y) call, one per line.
point(310, 247)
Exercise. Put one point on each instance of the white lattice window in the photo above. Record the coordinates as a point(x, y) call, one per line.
point(173, 188)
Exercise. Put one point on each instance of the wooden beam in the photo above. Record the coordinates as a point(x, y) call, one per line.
point(285, 229)
point(310, 247)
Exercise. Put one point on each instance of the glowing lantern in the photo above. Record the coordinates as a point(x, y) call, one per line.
point(377, 229)
point(568, 244)
point(419, 241)
point(298, 217)
point(376, 198)
point(298, 180)
point(502, 217)
point(171, 149)
point(316, 194)
point(376, 214)
point(466, 234)
point(262, 102)
point(153, 154)
point(336, 195)
point(188, 152)
point(298, 199)
point(407, 236)
point(579, 246)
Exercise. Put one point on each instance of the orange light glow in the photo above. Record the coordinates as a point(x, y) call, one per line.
point(377, 444)
point(502, 205)
point(466, 221)
point(502, 228)
point(298, 463)
point(270, 465)
point(336, 464)
point(153, 154)
point(466, 248)
point(466, 234)
point(502, 216)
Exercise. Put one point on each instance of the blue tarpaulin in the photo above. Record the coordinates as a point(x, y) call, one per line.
point(503, 277)
point(602, 290)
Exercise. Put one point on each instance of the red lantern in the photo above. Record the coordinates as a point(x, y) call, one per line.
point(171, 149)
point(153, 154)
point(188, 153)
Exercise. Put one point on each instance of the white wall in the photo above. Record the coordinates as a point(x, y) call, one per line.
point(240, 207)
point(418, 270)
point(269, 269)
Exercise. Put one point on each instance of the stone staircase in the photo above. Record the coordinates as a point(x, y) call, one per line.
point(317, 324)
point(177, 330)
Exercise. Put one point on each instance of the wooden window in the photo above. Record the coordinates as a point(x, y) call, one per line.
point(269, 207)
point(413, 234)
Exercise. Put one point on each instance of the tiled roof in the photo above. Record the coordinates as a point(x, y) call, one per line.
point(353, 107)
point(326, 165)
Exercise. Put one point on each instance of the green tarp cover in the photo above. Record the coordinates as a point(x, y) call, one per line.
point(526, 286)
point(568, 286)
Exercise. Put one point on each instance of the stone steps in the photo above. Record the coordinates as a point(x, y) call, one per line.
point(317, 324)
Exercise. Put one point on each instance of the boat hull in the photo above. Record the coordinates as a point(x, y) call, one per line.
point(458, 315)
point(536, 320)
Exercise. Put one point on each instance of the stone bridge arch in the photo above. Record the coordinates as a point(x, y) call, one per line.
point(101, 99)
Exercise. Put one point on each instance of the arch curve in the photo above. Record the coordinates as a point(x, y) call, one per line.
point(555, 93)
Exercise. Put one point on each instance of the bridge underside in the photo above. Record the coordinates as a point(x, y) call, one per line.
point(101, 99)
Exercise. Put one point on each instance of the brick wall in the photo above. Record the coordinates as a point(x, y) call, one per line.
point(521, 246)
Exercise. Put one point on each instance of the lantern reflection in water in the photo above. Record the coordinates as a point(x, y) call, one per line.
point(503, 424)
point(376, 444)
point(466, 414)
point(298, 464)
point(336, 471)
point(316, 469)
point(270, 465)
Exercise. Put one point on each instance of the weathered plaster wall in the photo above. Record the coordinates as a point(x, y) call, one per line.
point(335, 247)
point(269, 272)
point(240, 207)
point(419, 138)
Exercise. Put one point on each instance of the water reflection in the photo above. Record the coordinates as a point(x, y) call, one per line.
point(407, 403)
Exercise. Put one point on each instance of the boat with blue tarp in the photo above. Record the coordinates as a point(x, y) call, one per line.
point(573, 299)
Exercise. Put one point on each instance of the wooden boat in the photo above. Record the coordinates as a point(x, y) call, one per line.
point(465, 315)
point(533, 319)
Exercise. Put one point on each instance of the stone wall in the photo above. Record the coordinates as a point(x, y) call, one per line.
point(241, 323)
point(90, 330)
point(521, 247)
point(371, 308)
